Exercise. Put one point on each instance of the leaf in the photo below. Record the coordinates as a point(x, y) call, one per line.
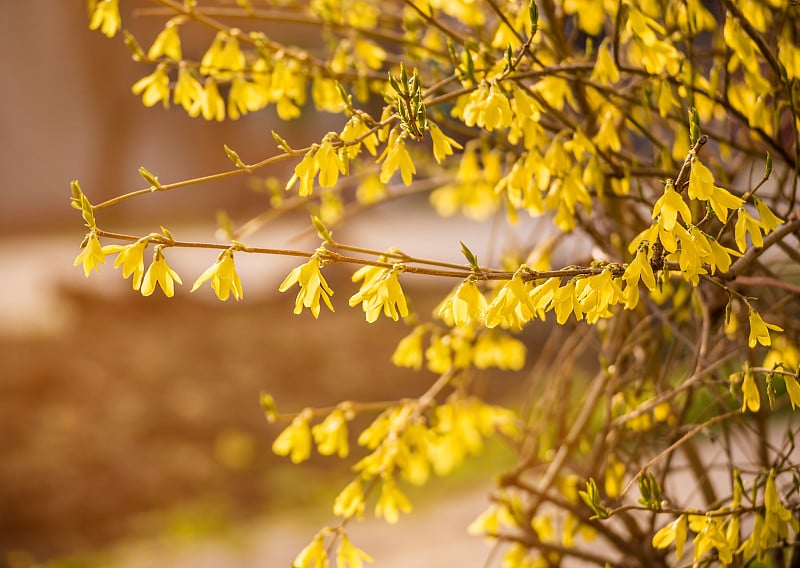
point(533, 10)
point(694, 126)
point(471, 258)
point(148, 176)
point(234, 157)
point(282, 144)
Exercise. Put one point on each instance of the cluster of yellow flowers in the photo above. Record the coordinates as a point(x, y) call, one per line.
point(518, 122)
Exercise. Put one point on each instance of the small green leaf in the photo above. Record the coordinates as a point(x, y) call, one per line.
point(234, 157)
point(769, 166)
point(167, 234)
point(282, 144)
point(137, 53)
point(470, 256)
point(533, 10)
point(694, 126)
point(322, 230)
point(148, 176)
point(346, 97)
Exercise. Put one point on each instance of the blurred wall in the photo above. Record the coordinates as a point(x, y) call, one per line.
point(67, 112)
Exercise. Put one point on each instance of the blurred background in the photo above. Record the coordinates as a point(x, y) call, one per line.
point(130, 427)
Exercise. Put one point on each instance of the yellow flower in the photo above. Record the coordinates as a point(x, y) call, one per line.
point(769, 221)
point(213, 105)
point(395, 157)
point(153, 87)
point(350, 501)
point(167, 42)
point(721, 256)
point(295, 440)
point(442, 145)
point(759, 330)
point(380, 291)
point(131, 258)
point(747, 224)
point(669, 206)
point(640, 269)
point(722, 200)
point(329, 163)
point(751, 398)
point(92, 255)
point(701, 181)
point(330, 435)
point(313, 285)
point(314, 555)
point(391, 501)
point(409, 351)
point(348, 556)
point(188, 92)
point(223, 276)
point(305, 171)
point(463, 306)
point(159, 272)
point(105, 16)
point(496, 110)
point(605, 70)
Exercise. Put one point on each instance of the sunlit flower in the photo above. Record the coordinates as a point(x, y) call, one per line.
point(350, 501)
point(408, 352)
point(160, 272)
point(314, 555)
point(153, 87)
point(92, 255)
point(463, 306)
point(223, 276)
point(395, 157)
point(105, 16)
point(330, 435)
point(442, 144)
point(167, 42)
point(131, 258)
point(380, 292)
point(391, 501)
point(348, 556)
point(313, 286)
point(295, 440)
point(188, 91)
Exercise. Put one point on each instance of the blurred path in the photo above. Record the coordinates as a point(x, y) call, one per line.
point(432, 536)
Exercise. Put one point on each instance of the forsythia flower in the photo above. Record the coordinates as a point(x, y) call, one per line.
point(409, 351)
point(759, 330)
point(348, 556)
point(224, 279)
point(669, 206)
point(350, 501)
point(131, 258)
point(92, 255)
point(463, 306)
point(153, 87)
point(380, 291)
point(295, 440)
point(391, 501)
point(314, 555)
point(167, 42)
point(746, 224)
point(769, 221)
point(313, 286)
point(750, 395)
point(105, 16)
point(330, 435)
point(442, 145)
point(396, 156)
point(159, 272)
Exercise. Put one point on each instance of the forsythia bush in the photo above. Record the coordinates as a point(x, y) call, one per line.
point(665, 133)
